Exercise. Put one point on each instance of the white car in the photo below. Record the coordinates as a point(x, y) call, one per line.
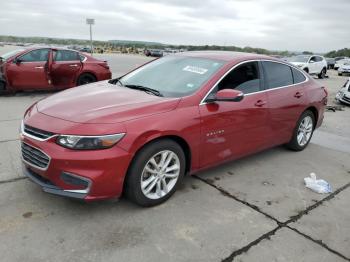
point(344, 68)
point(343, 94)
point(338, 64)
point(312, 64)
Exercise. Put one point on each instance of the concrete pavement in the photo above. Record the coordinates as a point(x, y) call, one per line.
point(253, 209)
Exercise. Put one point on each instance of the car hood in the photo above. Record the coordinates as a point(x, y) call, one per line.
point(104, 103)
point(345, 67)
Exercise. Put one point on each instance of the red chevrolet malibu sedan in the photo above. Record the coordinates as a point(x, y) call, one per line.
point(141, 133)
point(45, 68)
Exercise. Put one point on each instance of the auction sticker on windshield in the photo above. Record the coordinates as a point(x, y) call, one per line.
point(195, 69)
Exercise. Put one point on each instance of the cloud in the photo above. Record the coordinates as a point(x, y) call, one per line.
point(272, 24)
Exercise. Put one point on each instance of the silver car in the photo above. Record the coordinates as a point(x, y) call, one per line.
point(344, 68)
point(343, 94)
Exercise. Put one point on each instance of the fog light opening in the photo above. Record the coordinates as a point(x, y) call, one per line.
point(83, 184)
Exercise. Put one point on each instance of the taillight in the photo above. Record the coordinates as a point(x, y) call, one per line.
point(325, 90)
point(106, 66)
point(325, 100)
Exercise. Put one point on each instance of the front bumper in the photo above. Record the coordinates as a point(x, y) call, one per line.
point(103, 169)
point(343, 97)
point(48, 187)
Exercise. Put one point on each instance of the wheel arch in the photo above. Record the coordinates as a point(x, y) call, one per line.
point(85, 73)
point(314, 112)
point(177, 139)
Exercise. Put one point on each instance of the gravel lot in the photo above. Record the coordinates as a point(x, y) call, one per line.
point(253, 209)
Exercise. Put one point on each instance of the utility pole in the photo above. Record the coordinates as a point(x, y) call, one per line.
point(90, 22)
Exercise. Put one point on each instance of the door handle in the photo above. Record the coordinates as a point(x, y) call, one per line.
point(73, 65)
point(298, 94)
point(260, 103)
point(39, 67)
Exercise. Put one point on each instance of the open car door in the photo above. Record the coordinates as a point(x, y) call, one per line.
point(65, 68)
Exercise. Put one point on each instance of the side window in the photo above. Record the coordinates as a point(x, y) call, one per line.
point(65, 55)
point(298, 76)
point(245, 78)
point(39, 55)
point(318, 59)
point(277, 74)
point(313, 59)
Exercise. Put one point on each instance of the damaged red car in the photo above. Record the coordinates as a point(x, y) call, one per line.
point(47, 68)
point(141, 133)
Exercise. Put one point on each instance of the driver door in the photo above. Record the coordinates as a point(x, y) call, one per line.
point(30, 71)
point(230, 130)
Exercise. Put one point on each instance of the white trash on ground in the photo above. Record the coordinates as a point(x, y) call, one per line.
point(317, 185)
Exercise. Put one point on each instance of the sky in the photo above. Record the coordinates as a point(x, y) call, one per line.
point(295, 25)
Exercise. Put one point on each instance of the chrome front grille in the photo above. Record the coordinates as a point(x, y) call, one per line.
point(35, 157)
point(37, 133)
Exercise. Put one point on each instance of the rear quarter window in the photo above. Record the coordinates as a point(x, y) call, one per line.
point(298, 76)
point(277, 74)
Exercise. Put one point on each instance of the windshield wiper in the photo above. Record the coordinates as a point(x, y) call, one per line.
point(144, 88)
point(115, 81)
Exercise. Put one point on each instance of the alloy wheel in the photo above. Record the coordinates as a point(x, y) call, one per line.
point(305, 131)
point(160, 174)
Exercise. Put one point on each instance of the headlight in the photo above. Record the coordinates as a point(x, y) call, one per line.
point(88, 142)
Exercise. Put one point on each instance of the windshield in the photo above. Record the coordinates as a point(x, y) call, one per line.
point(174, 76)
point(11, 53)
point(300, 59)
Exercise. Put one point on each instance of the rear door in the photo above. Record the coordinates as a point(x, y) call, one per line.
point(286, 98)
point(31, 70)
point(65, 68)
point(231, 130)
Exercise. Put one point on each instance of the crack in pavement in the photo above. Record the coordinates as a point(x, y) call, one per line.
point(12, 180)
point(9, 140)
point(9, 120)
point(279, 223)
point(318, 242)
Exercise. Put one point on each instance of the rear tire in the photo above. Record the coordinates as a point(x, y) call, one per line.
point(322, 74)
point(303, 132)
point(3, 89)
point(2, 86)
point(86, 78)
point(148, 181)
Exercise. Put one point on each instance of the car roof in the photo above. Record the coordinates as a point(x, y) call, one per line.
point(50, 47)
point(226, 56)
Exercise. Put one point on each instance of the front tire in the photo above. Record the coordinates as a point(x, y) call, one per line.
point(155, 173)
point(303, 132)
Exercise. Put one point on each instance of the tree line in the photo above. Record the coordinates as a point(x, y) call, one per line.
point(140, 44)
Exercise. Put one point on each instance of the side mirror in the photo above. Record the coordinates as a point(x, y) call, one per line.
point(226, 95)
point(312, 61)
point(17, 60)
